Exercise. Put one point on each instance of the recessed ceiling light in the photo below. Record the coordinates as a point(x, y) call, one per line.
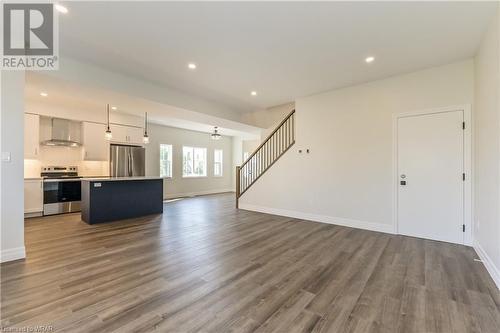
point(44, 94)
point(192, 65)
point(113, 108)
point(253, 93)
point(369, 59)
point(61, 9)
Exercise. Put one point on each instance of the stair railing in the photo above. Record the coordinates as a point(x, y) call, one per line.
point(269, 151)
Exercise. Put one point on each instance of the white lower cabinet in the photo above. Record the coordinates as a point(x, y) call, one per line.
point(33, 197)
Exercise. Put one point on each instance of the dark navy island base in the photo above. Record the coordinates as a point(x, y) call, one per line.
point(111, 199)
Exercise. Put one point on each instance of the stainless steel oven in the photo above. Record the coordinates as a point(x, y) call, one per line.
point(61, 190)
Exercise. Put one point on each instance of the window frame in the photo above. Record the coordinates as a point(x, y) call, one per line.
point(221, 162)
point(171, 160)
point(193, 165)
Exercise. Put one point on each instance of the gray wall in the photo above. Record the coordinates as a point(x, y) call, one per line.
point(177, 185)
point(487, 149)
point(11, 183)
point(347, 177)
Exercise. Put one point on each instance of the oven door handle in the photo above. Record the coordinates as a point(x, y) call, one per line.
point(130, 163)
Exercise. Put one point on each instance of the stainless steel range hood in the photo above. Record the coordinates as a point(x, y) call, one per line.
point(61, 132)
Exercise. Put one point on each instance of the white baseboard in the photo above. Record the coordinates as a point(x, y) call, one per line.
point(373, 226)
point(488, 263)
point(193, 194)
point(13, 254)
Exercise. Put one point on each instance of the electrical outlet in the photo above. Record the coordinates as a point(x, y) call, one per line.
point(6, 157)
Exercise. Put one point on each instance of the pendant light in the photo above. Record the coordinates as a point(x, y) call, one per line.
point(215, 135)
point(108, 134)
point(145, 138)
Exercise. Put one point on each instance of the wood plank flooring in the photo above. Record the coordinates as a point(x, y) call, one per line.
point(205, 266)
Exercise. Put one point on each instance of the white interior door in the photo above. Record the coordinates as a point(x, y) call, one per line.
point(430, 169)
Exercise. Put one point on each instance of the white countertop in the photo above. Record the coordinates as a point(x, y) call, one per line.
point(112, 179)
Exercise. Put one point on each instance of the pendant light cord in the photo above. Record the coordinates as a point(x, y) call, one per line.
point(107, 109)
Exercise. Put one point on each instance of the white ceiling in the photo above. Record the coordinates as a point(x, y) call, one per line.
point(283, 50)
point(73, 100)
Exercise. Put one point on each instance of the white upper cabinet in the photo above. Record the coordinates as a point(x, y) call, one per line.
point(126, 134)
point(31, 136)
point(95, 146)
point(119, 133)
point(135, 135)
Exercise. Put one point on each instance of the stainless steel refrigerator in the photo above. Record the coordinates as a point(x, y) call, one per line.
point(127, 161)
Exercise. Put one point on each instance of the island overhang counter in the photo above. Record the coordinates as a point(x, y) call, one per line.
point(115, 198)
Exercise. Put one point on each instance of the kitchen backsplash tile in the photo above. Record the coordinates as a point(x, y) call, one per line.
point(65, 156)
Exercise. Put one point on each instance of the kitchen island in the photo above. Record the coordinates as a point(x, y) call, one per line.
point(115, 198)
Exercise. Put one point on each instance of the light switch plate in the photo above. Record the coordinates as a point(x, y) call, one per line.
point(6, 156)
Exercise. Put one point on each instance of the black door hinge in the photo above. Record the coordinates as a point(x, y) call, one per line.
point(463, 227)
point(463, 176)
point(463, 125)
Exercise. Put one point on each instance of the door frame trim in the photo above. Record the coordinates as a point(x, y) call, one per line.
point(468, 165)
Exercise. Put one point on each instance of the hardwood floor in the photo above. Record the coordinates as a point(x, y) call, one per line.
point(205, 266)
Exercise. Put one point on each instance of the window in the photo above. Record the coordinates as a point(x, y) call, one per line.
point(218, 162)
point(194, 162)
point(166, 161)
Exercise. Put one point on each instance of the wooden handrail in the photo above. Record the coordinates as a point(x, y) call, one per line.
point(238, 168)
point(268, 137)
point(277, 143)
point(241, 193)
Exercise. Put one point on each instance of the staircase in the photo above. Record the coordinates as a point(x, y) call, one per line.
point(269, 151)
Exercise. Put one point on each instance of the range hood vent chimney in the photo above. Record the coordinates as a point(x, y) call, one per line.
point(63, 132)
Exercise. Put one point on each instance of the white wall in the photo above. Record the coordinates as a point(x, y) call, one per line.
point(179, 186)
point(70, 156)
point(268, 118)
point(347, 177)
point(237, 158)
point(103, 79)
point(249, 146)
point(487, 149)
point(12, 141)
point(78, 113)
